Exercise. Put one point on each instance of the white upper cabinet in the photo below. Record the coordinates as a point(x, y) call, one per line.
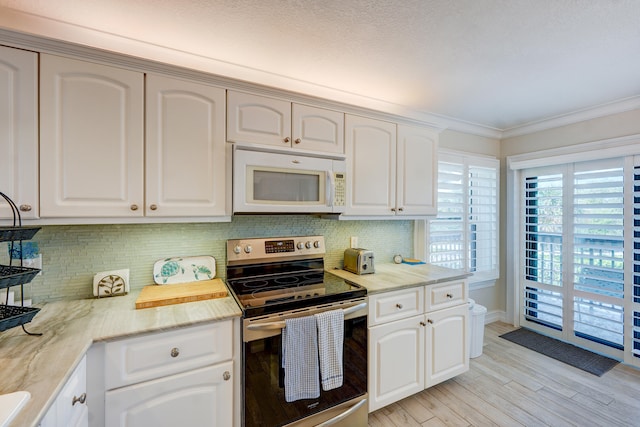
point(91, 144)
point(185, 148)
point(269, 121)
point(19, 131)
point(318, 129)
point(417, 167)
point(392, 169)
point(370, 147)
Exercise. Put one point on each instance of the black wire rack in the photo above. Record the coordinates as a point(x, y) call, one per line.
point(16, 275)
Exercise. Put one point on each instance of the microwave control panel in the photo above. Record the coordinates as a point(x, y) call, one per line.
point(339, 194)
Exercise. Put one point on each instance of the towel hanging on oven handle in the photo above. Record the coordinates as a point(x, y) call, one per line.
point(280, 324)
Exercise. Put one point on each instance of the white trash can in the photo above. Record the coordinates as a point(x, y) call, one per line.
point(476, 334)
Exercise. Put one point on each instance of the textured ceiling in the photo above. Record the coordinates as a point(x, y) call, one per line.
point(497, 63)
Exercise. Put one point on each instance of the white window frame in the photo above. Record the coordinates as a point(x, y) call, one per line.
point(478, 279)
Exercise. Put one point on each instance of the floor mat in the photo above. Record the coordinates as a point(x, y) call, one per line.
point(567, 353)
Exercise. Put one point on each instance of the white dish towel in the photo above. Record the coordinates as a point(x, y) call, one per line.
point(330, 346)
point(300, 359)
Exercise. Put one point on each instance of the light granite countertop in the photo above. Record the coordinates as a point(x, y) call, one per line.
point(41, 365)
point(391, 277)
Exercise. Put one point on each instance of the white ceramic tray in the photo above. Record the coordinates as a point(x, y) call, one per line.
point(184, 269)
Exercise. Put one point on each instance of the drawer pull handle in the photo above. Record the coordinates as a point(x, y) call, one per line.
point(449, 296)
point(25, 208)
point(80, 400)
point(175, 352)
point(399, 306)
point(429, 321)
point(226, 376)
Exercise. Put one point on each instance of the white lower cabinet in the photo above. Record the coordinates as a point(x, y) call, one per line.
point(396, 361)
point(180, 377)
point(446, 348)
point(70, 408)
point(409, 352)
point(200, 397)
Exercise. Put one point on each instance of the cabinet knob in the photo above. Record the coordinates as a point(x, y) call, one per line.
point(400, 209)
point(134, 207)
point(25, 208)
point(393, 209)
point(429, 321)
point(175, 352)
point(423, 324)
point(80, 400)
point(399, 306)
point(298, 141)
point(287, 140)
point(226, 376)
point(153, 207)
point(449, 296)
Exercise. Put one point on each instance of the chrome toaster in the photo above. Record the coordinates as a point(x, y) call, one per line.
point(358, 261)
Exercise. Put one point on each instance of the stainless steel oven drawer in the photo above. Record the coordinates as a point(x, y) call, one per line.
point(353, 413)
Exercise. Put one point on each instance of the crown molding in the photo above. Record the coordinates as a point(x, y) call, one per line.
point(603, 110)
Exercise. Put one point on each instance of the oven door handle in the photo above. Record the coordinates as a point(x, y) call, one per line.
point(281, 324)
point(343, 415)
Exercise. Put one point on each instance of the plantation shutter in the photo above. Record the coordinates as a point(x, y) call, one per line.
point(464, 235)
point(447, 240)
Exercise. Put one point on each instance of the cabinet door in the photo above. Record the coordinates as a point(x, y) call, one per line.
point(202, 397)
point(370, 147)
point(91, 139)
point(417, 171)
point(258, 119)
point(447, 352)
point(71, 408)
point(318, 129)
point(185, 148)
point(19, 131)
point(396, 361)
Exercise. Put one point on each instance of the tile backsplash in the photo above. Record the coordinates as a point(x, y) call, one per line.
point(71, 255)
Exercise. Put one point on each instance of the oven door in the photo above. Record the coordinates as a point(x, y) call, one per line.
point(263, 375)
point(282, 183)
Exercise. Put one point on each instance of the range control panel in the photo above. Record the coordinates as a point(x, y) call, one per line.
point(270, 249)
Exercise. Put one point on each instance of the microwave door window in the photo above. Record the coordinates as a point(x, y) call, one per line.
point(274, 186)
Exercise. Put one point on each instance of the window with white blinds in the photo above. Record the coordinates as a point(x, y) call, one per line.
point(464, 235)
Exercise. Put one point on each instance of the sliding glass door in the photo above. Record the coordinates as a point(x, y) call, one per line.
point(574, 253)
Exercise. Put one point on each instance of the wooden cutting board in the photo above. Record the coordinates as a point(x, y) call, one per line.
point(159, 295)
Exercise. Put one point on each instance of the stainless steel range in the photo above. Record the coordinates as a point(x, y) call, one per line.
point(275, 279)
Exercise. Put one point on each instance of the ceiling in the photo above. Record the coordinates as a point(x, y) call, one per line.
point(494, 64)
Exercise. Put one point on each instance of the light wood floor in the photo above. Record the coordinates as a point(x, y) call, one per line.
point(509, 385)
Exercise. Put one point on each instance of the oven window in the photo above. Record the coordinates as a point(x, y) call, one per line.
point(265, 403)
point(278, 186)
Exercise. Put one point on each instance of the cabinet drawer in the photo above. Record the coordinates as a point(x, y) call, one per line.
point(395, 305)
point(445, 295)
point(146, 357)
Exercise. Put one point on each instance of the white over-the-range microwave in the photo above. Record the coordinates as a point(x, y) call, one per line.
point(275, 182)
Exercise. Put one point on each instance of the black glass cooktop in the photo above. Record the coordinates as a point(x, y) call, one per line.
point(287, 287)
